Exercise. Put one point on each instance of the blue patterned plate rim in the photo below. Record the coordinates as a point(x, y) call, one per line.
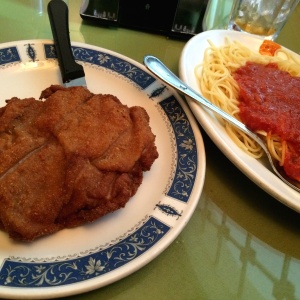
point(39, 274)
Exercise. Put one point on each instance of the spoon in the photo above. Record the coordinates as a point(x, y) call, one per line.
point(161, 71)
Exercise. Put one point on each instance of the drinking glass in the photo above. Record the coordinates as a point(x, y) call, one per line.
point(264, 18)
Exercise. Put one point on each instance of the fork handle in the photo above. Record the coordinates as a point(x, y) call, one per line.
point(160, 70)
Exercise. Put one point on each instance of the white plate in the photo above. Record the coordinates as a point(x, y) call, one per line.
point(257, 170)
point(77, 260)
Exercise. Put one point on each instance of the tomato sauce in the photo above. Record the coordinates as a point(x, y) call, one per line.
point(270, 100)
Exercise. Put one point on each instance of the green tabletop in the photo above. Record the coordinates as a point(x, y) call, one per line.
point(240, 242)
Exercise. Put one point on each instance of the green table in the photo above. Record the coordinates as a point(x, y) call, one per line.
point(240, 243)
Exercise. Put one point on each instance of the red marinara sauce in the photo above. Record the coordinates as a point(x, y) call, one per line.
point(270, 100)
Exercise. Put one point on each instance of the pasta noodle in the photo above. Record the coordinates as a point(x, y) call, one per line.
point(218, 85)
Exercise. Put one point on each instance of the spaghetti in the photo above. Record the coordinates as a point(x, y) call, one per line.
point(216, 76)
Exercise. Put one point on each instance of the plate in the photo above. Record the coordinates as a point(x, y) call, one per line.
point(257, 170)
point(78, 260)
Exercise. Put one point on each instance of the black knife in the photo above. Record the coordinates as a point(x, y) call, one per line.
point(72, 73)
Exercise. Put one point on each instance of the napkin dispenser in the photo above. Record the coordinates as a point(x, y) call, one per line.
point(174, 18)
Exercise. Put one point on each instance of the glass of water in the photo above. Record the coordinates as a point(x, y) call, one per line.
point(264, 18)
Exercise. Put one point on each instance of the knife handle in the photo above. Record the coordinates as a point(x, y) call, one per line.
point(59, 20)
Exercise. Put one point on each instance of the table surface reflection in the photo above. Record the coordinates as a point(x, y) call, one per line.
point(240, 243)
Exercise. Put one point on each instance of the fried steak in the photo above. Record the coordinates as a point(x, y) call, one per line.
point(69, 159)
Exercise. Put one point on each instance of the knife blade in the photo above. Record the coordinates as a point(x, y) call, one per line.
point(72, 73)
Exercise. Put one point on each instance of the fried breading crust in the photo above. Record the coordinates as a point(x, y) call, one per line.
point(69, 159)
